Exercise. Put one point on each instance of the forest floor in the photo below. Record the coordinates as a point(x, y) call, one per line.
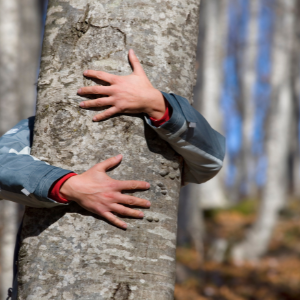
point(275, 277)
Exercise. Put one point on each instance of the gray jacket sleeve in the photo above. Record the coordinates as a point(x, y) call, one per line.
point(23, 178)
point(190, 135)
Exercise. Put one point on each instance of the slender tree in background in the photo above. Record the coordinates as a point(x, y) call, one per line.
point(20, 26)
point(67, 252)
point(212, 194)
point(29, 53)
point(9, 103)
point(207, 101)
point(248, 61)
point(9, 41)
point(278, 132)
point(295, 138)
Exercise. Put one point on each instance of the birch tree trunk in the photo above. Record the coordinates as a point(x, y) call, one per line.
point(274, 193)
point(9, 54)
point(30, 45)
point(249, 71)
point(9, 116)
point(66, 252)
point(212, 194)
point(9, 217)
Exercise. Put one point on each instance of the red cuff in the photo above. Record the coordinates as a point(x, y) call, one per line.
point(54, 192)
point(166, 117)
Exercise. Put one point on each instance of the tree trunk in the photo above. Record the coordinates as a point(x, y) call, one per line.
point(30, 45)
point(9, 54)
point(9, 106)
point(274, 193)
point(207, 101)
point(66, 252)
point(9, 217)
point(212, 193)
point(248, 79)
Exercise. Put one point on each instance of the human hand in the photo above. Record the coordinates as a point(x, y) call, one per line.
point(95, 191)
point(133, 93)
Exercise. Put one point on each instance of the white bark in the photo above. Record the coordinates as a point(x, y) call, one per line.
point(212, 193)
point(274, 193)
point(248, 78)
point(9, 54)
point(29, 54)
point(9, 217)
point(9, 116)
point(70, 253)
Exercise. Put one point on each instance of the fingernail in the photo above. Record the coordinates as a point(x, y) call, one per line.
point(85, 72)
point(82, 104)
point(94, 119)
point(119, 156)
point(79, 91)
point(147, 185)
point(124, 226)
point(148, 204)
point(141, 215)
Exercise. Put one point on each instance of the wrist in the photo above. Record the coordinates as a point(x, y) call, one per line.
point(66, 190)
point(157, 105)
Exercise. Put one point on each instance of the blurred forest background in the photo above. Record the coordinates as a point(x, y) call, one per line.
point(238, 234)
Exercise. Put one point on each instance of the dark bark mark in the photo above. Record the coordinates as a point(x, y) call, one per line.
point(124, 34)
point(82, 26)
point(122, 292)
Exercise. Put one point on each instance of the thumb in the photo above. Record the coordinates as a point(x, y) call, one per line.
point(135, 63)
point(109, 163)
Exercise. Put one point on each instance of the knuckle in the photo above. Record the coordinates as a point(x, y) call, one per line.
point(108, 195)
point(96, 89)
point(123, 211)
point(134, 185)
point(130, 201)
point(121, 107)
point(117, 79)
point(98, 102)
point(93, 89)
point(99, 74)
point(113, 185)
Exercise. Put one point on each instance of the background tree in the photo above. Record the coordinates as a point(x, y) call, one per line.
point(113, 264)
point(212, 41)
point(20, 32)
point(279, 128)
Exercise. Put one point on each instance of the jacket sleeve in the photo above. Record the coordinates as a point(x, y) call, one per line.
point(190, 135)
point(23, 178)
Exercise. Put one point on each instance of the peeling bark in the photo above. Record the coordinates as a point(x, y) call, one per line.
point(66, 252)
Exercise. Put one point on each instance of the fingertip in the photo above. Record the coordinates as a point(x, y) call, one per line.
point(124, 226)
point(82, 104)
point(148, 204)
point(95, 119)
point(85, 72)
point(79, 91)
point(147, 185)
point(119, 157)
